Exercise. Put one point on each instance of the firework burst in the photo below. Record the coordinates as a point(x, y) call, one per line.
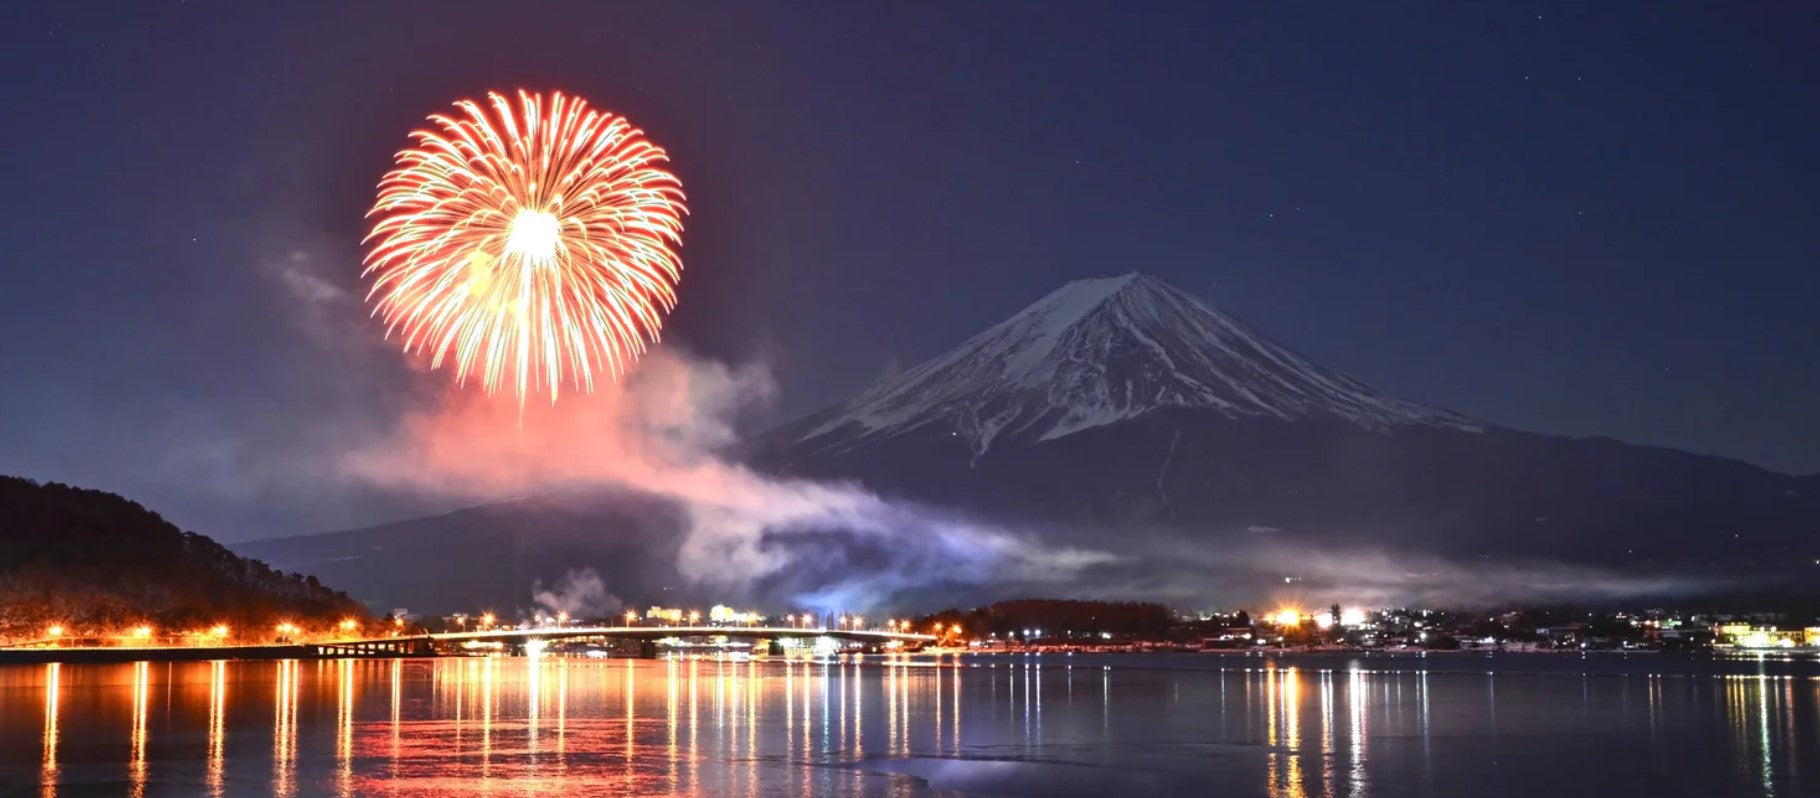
point(530, 243)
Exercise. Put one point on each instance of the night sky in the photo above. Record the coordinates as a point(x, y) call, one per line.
point(1576, 218)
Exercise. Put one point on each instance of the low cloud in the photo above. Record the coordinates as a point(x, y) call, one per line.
point(1312, 573)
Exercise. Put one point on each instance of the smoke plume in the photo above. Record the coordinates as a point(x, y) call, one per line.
point(579, 593)
point(658, 433)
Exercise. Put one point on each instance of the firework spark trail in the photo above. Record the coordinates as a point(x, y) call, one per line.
point(533, 243)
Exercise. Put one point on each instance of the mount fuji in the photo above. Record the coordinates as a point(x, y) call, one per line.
point(1100, 351)
point(1125, 403)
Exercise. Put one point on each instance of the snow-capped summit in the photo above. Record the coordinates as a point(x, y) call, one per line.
point(1102, 350)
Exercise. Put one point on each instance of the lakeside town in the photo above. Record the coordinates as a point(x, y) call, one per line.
point(1071, 625)
point(1433, 630)
point(1024, 625)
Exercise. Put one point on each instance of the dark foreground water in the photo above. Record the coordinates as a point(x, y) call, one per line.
point(1191, 725)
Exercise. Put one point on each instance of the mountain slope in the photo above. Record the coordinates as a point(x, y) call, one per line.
point(1100, 351)
point(490, 556)
point(1124, 403)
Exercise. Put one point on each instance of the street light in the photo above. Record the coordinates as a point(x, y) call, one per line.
point(631, 617)
point(487, 620)
point(55, 630)
point(694, 617)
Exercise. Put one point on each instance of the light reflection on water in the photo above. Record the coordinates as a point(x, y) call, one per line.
point(48, 775)
point(1286, 727)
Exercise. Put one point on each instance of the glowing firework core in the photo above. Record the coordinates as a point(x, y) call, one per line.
point(534, 236)
point(531, 242)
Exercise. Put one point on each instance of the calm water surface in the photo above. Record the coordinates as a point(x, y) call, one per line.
point(1343, 725)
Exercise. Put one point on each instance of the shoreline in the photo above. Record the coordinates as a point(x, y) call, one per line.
point(297, 651)
point(99, 655)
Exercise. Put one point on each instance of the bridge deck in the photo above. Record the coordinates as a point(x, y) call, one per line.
point(659, 632)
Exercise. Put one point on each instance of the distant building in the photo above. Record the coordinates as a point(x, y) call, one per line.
point(664, 614)
point(1746, 635)
point(721, 613)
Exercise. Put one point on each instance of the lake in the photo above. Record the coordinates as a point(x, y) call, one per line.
point(1009, 725)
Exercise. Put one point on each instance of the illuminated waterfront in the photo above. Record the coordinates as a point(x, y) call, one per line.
point(1187, 725)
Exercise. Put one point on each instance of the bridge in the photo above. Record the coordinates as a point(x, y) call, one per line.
point(421, 644)
point(521, 636)
point(427, 644)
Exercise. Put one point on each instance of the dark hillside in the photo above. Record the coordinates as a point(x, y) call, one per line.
point(97, 563)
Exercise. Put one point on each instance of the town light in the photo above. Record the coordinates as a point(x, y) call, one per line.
point(55, 630)
point(1288, 618)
